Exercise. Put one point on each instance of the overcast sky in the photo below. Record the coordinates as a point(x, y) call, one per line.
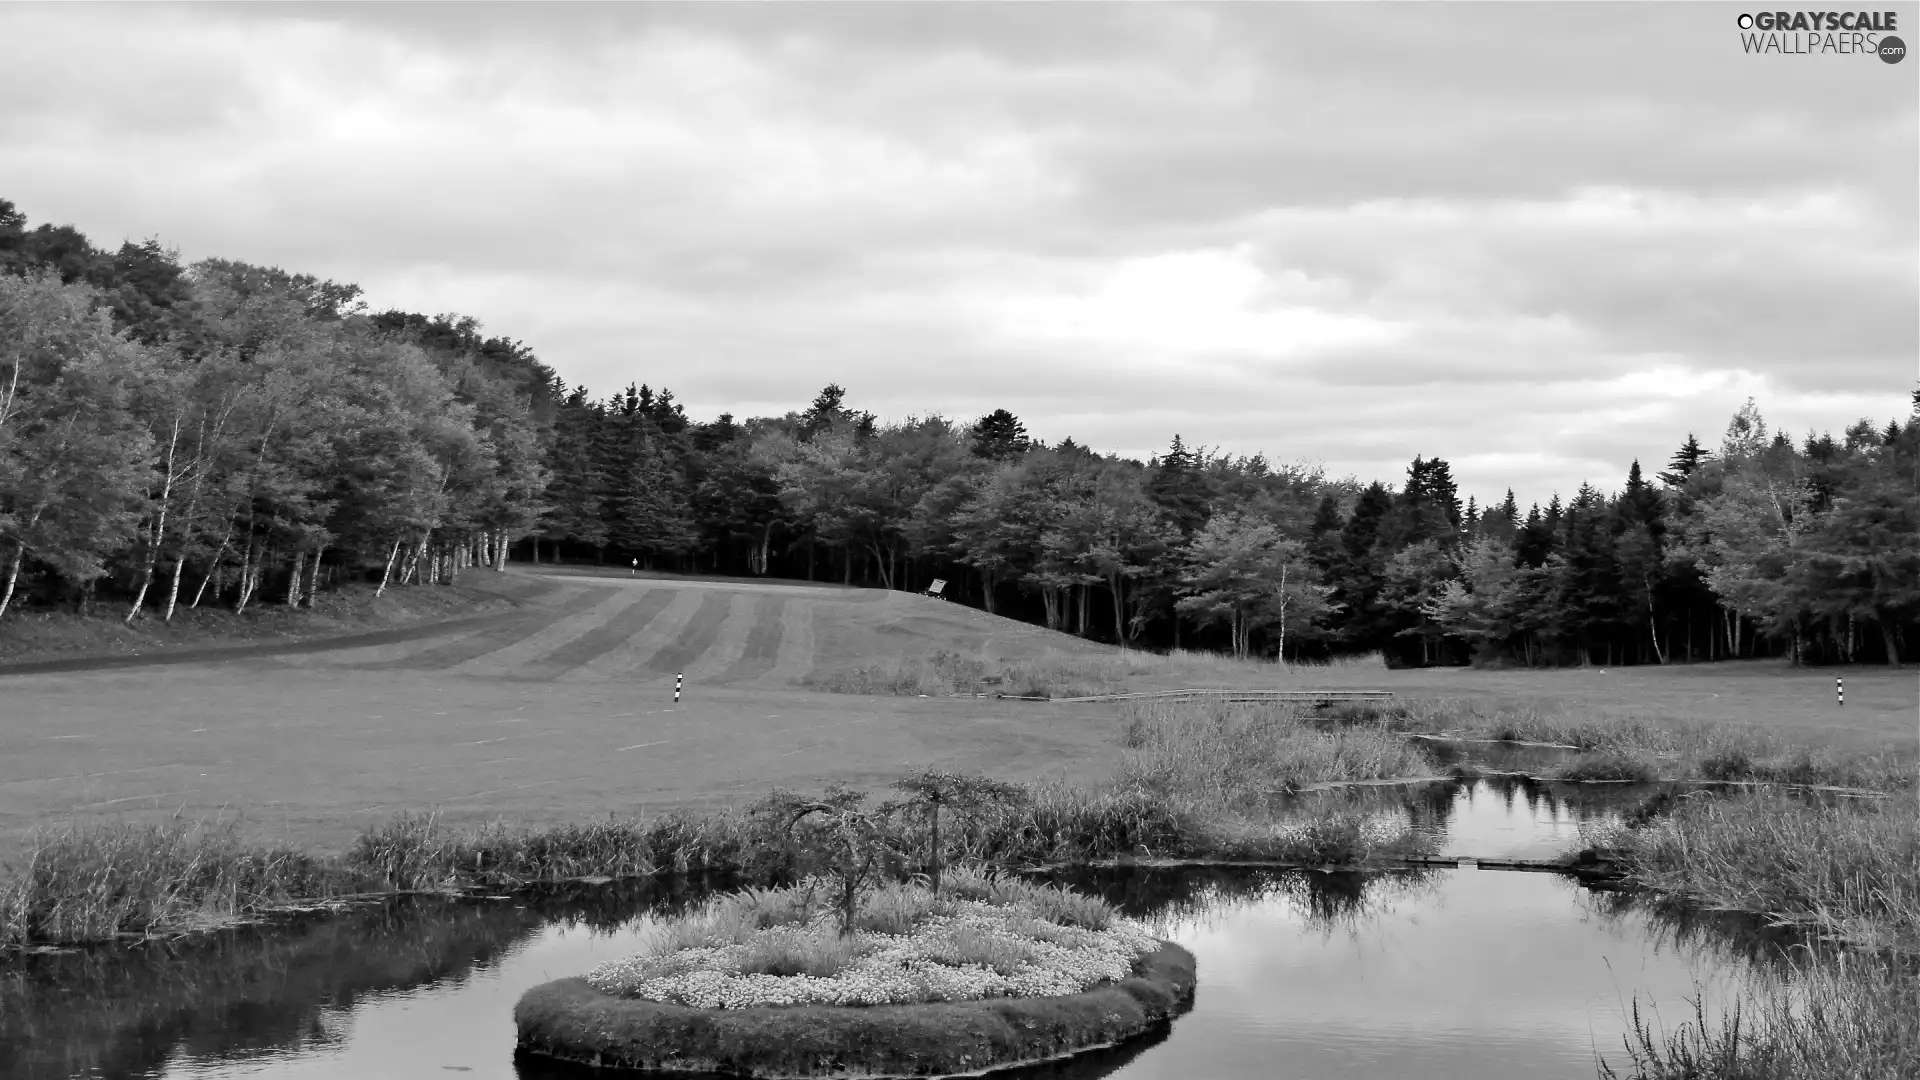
point(1538, 241)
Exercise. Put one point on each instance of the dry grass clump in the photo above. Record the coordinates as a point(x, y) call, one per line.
point(1848, 871)
point(946, 674)
point(99, 882)
point(1853, 1017)
point(1228, 756)
point(1050, 674)
point(1663, 747)
point(417, 852)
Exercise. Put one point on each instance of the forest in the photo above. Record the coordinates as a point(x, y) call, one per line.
point(222, 434)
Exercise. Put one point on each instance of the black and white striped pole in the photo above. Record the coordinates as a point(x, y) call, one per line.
point(677, 676)
point(1839, 692)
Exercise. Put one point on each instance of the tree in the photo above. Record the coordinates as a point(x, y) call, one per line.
point(960, 792)
point(840, 834)
point(1414, 577)
point(1239, 570)
point(1000, 435)
point(1686, 462)
point(1178, 485)
point(73, 455)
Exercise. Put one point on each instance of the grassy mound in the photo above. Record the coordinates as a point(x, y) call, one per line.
point(572, 1021)
point(984, 936)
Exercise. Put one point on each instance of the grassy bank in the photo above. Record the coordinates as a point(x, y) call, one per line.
point(1847, 874)
point(38, 635)
point(1635, 746)
point(1057, 675)
point(1196, 782)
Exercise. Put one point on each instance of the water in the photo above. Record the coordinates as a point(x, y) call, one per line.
point(1446, 973)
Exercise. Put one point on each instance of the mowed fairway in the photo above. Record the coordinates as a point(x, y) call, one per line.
point(562, 709)
point(558, 710)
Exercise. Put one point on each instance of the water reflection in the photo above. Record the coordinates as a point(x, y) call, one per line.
point(1302, 974)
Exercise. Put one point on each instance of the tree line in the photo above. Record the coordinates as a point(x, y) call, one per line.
point(227, 434)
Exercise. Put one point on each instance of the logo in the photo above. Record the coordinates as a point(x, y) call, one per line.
point(1810, 33)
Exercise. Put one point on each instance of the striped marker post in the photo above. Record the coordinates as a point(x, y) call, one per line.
point(677, 676)
point(1839, 692)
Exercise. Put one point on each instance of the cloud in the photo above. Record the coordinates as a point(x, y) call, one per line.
point(1537, 241)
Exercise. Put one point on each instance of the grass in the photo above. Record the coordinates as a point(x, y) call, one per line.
point(1053, 675)
point(97, 883)
point(949, 674)
point(1636, 746)
point(1196, 782)
point(1852, 1020)
point(1845, 873)
point(986, 936)
point(570, 1020)
point(1234, 757)
point(1849, 871)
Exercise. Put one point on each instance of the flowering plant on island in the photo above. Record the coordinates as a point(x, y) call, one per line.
point(950, 948)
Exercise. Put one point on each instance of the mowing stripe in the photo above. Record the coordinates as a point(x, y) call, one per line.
point(732, 642)
point(794, 660)
point(620, 662)
point(495, 637)
point(601, 640)
point(763, 641)
point(507, 660)
point(696, 639)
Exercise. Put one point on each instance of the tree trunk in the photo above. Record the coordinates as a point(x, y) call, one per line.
point(293, 579)
point(986, 590)
point(387, 575)
point(1653, 629)
point(881, 560)
point(13, 575)
point(246, 577)
point(313, 578)
point(1886, 634)
point(1119, 611)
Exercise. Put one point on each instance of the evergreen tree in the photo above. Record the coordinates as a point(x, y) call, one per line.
point(999, 435)
point(1686, 461)
point(1179, 486)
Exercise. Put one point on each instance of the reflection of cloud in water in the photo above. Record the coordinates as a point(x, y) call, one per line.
point(1472, 973)
point(1421, 973)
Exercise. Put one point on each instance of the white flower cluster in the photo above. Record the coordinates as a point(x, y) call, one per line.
point(1032, 958)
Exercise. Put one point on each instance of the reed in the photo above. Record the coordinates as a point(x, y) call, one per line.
point(100, 882)
point(1662, 746)
point(1849, 871)
point(1844, 1018)
point(1236, 756)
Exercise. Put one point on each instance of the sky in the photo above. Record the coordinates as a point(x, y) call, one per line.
point(1538, 241)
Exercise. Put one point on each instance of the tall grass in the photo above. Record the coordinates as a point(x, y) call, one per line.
point(1234, 757)
point(1848, 871)
point(946, 674)
point(96, 883)
point(1855, 1017)
point(1658, 746)
point(1051, 674)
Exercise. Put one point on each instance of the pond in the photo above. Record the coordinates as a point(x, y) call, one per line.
point(1434, 973)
